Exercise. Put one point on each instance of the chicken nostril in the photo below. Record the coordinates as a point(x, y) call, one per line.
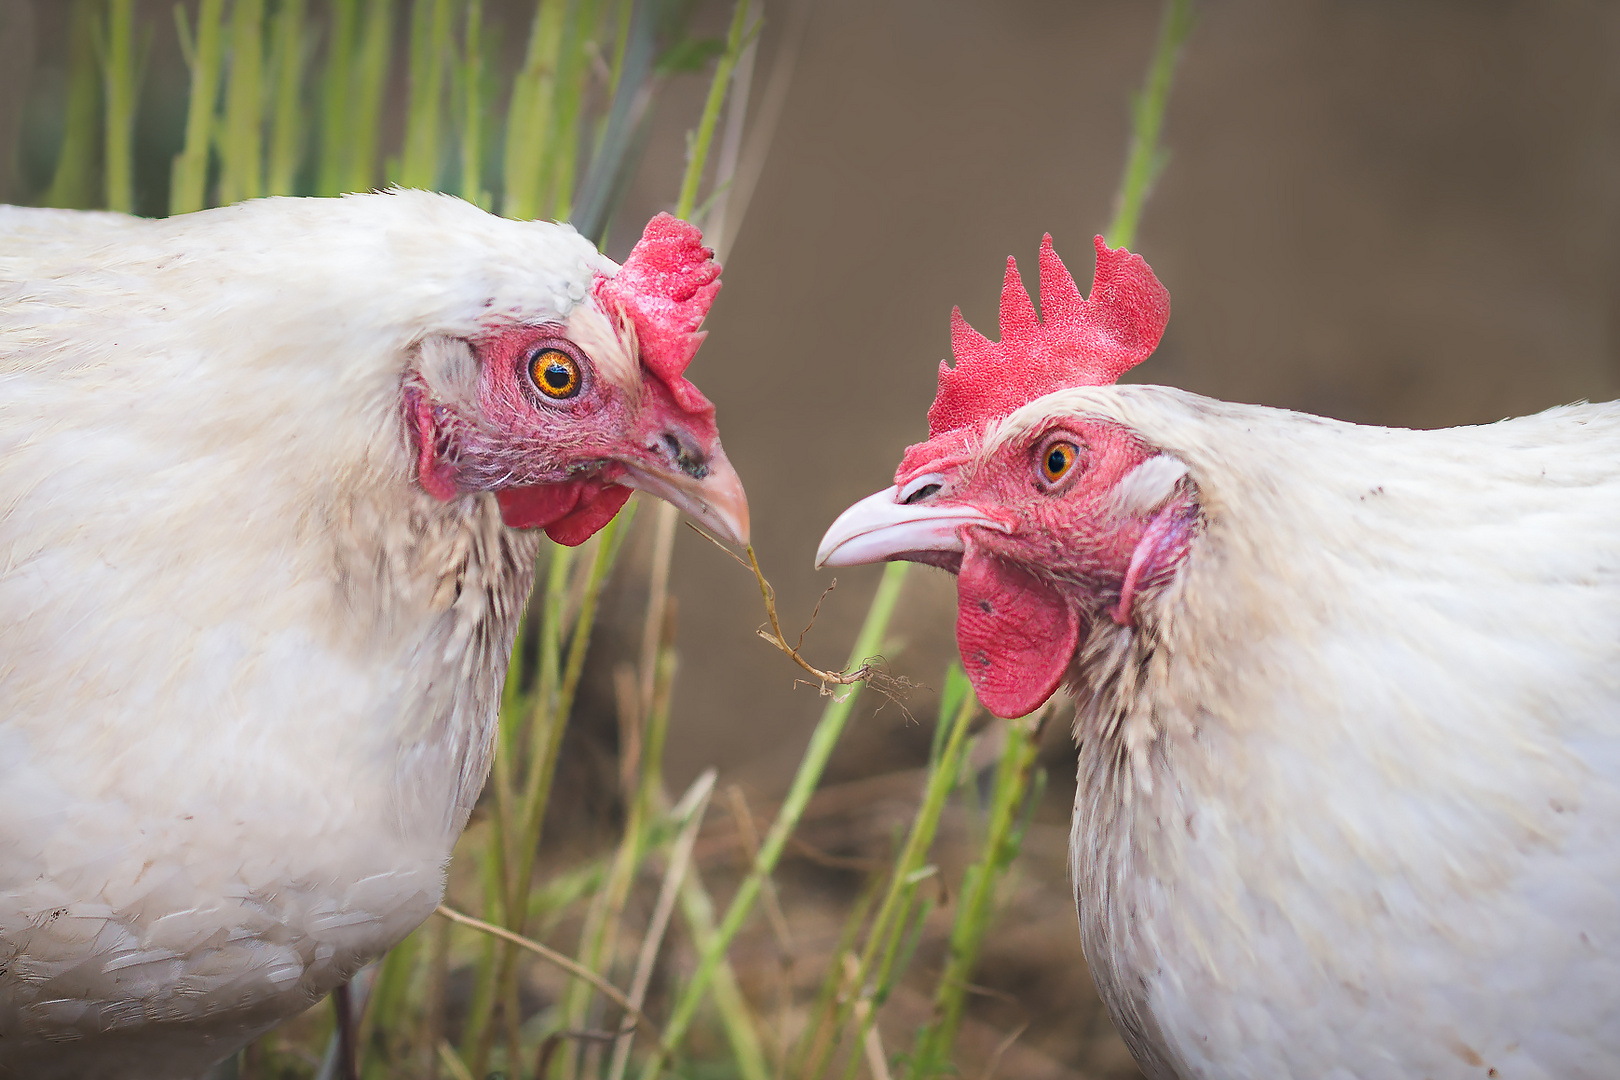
point(927, 491)
point(685, 458)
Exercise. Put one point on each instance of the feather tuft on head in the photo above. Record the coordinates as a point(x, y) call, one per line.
point(665, 288)
point(1080, 342)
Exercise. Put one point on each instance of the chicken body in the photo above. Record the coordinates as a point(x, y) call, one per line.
point(249, 666)
point(1348, 715)
point(1349, 789)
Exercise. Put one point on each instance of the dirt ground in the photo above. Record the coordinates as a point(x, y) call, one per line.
point(1388, 211)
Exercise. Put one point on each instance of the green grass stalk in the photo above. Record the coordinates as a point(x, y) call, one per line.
point(698, 144)
point(573, 73)
point(75, 182)
point(529, 120)
point(736, 1017)
point(599, 936)
point(336, 148)
point(430, 44)
point(811, 766)
point(470, 83)
point(546, 728)
point(693, 805)
point(931, 1054)
point(118, 114)
point(1146, 160)
point(370, 84)
point(819, 1032)
point(287, 115)
point(385, 1008)
point(893, 918)
point(188, 178)
point(241, 173)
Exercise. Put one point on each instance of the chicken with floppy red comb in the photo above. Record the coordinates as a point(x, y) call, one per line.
point(1348, 707)
point(272, 484)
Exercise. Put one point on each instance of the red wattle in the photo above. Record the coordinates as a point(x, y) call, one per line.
point(593, 513)
point(1016, 633)
point(569, 512)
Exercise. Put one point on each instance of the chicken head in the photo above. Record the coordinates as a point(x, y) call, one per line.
point(562, 420)
point(1049, 520)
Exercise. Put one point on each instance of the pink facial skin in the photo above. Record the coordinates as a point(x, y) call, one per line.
point(1066, 557)
point(553, 463)
point(565, 460)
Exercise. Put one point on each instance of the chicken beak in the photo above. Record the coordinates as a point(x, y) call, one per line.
point(712, 496)
point(881, 527)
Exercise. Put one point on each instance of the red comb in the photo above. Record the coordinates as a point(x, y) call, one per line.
point(1081, 341)
point(666, 286)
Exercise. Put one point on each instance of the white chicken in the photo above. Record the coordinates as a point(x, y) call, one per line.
point(257, 596)
point(1349, 697)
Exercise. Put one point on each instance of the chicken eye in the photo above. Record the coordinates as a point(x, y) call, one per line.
point(1058, 460)
point(555, 373)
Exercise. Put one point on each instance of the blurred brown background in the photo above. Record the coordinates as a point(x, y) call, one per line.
point(1388, 211)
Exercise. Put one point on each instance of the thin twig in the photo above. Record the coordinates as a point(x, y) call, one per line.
point(1006, 1044)
point(611, 992)
point(738, 805)
point(776, 636)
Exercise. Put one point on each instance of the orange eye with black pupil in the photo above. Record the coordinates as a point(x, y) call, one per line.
point(555, 373)
point(1058, 460)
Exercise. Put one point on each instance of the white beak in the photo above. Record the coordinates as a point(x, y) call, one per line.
point(881, 527)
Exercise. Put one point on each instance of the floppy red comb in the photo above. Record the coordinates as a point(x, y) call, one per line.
point(666, 286)
point(1080, 342)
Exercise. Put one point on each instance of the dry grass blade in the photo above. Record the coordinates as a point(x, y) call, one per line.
point(692, 807)
point(611, 992)
point(549, 1045)
point(1006, 1044)
point(452, 1062)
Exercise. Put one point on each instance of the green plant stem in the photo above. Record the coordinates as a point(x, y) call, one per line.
point(189, 177)
point(546, 729)
point(573, 70)
point(286, 125)
point(241, 173)
point(370, 83)
point(892, 919)
point(472, 106)
point(697, 908)
point(599, 936)
point(336, 104)
point(529, 119)
point(813, 764)
point(118, 115)
point(430, 37)
point(975, 906)
point(1145, 160)
point(698, 145)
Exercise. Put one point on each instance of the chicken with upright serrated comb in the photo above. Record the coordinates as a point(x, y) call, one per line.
point(1348, 697)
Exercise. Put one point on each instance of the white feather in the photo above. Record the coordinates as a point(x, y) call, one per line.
point(248, 670)
point(1349, 799)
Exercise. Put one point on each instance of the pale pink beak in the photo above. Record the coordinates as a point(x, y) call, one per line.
point(882, 526)
point(716, 501)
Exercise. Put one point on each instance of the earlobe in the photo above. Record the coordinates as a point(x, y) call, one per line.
point(427, 421)
point(1163, 544)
